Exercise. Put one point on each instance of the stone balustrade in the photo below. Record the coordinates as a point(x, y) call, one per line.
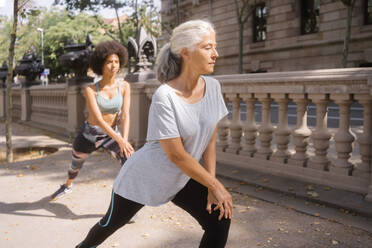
point(337, 158)
point(58, 108)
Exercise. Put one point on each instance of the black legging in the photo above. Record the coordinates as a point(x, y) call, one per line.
point(192, 198)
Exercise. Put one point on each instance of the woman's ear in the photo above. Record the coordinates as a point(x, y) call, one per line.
point(185, 53)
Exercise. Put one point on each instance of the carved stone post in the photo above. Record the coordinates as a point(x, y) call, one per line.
point(369, 194)
point(266, 129)
point(301, 133)
point(321, 135)
point(25, 104)
point(235, 125)
point(139, 111)
point(344, 138)
point(282, 132)
point(223, 132)
point(75, 108)
point(250, 127)
point(365, 139)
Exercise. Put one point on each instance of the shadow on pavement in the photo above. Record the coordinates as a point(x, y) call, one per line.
point(55, 209)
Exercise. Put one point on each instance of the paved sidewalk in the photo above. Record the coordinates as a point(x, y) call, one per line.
point(263, 218)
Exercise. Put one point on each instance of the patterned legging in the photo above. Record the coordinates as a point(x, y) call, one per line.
point(89, 139)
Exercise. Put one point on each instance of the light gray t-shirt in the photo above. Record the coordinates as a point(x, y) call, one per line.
point(148, 176)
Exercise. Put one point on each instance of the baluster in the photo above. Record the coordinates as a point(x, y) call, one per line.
point(344, 138)
point(321, 135)
point(282, 132)
point(250, 127)
point(301, 133)
point(266, 129)
point(223, 132)
point(235, 125)
point(365, 139)
point(365, 143)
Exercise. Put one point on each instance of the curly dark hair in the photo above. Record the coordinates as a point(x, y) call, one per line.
point(103, 50)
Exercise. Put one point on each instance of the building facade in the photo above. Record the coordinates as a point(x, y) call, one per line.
point(280, 35)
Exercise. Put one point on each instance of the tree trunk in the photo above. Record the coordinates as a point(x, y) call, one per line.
point(9, 80)
point(240, 61)
point(119, 26)
point(347, 33)
point(177, 12)
point(137, 20)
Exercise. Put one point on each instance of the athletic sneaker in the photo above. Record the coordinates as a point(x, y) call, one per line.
point(61, 192)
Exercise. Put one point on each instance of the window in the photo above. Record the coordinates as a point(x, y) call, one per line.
point(259, 22)
point(368, 12)
point(309, 16)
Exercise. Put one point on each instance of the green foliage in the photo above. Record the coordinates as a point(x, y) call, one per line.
point(59, 29)
point(143, 14)
point(62, 26)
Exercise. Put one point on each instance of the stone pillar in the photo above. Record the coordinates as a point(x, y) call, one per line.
point(344, 138)
point(2, 104)
point(250, 127)
point(282, 132)
point(321, 135)
point(364, 169)
point(369, 194)
point(265, 130)
point(223, 132)
point(75, 108)
point(25, 104)
point(301, 133)
point(235, 125)
point(365, 139)
point(139, 110)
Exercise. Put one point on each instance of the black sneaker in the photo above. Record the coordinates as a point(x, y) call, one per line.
point(61, 192)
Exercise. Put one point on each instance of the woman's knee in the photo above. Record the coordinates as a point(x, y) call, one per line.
point(211, 222)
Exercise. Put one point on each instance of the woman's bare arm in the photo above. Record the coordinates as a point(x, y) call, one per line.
point(209, 155)
point(125, 110)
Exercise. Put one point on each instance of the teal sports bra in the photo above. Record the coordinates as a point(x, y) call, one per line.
point(112, 105)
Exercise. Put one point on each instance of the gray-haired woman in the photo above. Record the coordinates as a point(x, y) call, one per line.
point(183, 116)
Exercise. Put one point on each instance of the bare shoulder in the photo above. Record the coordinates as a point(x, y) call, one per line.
point(124, 85)
point(90, 89)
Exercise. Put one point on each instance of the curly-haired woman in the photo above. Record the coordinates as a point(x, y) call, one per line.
point(108, 102)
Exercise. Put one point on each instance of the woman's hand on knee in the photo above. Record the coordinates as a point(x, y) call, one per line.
point(223, 200)
point(126, 149)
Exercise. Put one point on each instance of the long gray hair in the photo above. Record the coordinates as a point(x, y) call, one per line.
point(186, 35)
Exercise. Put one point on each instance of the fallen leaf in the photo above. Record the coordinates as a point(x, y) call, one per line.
point(313, 194)
point(309, 187)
